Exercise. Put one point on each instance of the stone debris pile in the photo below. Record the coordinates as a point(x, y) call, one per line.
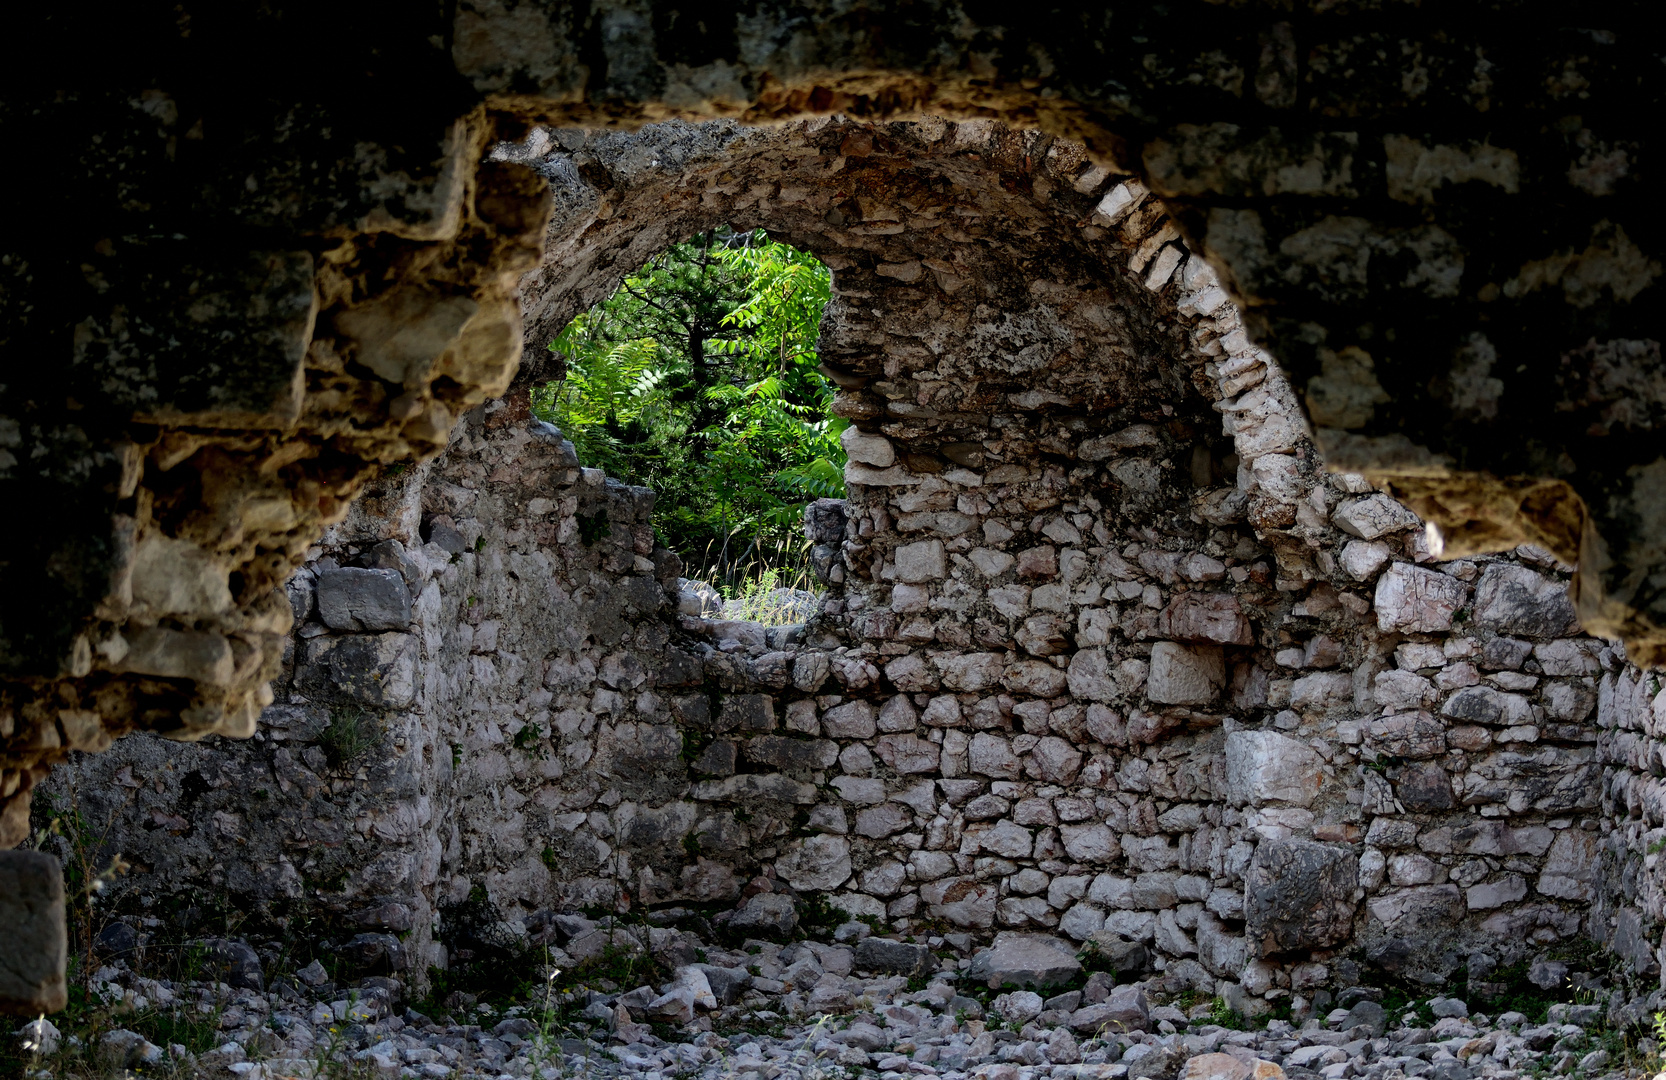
point(857, 1006)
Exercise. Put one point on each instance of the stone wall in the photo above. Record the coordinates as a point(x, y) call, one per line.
point(1105, 652)
point(245, 290)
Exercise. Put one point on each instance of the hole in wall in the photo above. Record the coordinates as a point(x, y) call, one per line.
point(699, 378)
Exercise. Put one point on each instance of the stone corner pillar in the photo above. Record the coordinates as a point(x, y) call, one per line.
point(34, 943)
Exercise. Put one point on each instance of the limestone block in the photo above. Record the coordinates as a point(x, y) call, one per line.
point(1150, 852)
point(1278, 433)
point(784, 753)
point(1036, 678)
point(199, 655)
point(1133, 925)
point(966, 902)
point(1266, 767)
point(1493, 894)
point(1397, 691)
point(801, 717)
point(1127, 1009)
point(369, 669)
point(1421, 912)
point(908, 753)
point(867, 475)
point(1407, 735)
point(990, 563)
point(747, 712)
point(1215, 1067)
point(1219, 950)
point(885, 879)
point(1373, 516)
point(1092, 844)
point(1423, 787)
point(1044, 635)
point(1485, 705)
point(1299, 895)
point(852, 720)
point(1566, 658)
point(886, 819)
point(875, 450)
point(1322, 692)
point(1512, 599)
point(1128, 438)
point(1550, 779)
point(1414, 599)
point(991, 755)
point(1016, 959)
point(816, 863)
point(176, 577)
point(1081, 921)
point(1411, 868)
point(909, 599)
point(1089, 676)
point(969, 672)
point(894, 957)
point(907, 673)
point(33, 941)
point(1038, 563)
point(1054, 761)
point(921, 561)
point(1008, 839)
point(766, 915)
point(1205, 617)
point(748, 787)
point(350, 598)
point(1171, 939)
point(236, 963)
point(1018, 1007)
point(1632, 942)
point(1182, 675)
point(1570, 868)
point(1570, 701)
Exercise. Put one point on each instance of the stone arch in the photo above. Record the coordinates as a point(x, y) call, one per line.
point(1077, 678)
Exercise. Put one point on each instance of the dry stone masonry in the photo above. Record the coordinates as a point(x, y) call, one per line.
point(1106, 659)
point(244, 291)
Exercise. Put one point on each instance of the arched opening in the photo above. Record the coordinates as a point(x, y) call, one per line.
point(1099, 662)
point(699, 379)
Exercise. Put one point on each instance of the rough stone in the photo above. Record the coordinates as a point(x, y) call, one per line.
point(1182, 675)
point(1516, 600)
point(816, 863)
point(33, 939)
point(1266, 767)
point(363, 600)
point(1016, 959)
point(1299, 895)
point(769, 915)
point(1413, 599)
point(886, 955)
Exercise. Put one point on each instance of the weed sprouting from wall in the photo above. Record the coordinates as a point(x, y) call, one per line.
point(351, 733)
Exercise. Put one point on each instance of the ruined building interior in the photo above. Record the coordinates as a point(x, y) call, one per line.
point(1251, 583)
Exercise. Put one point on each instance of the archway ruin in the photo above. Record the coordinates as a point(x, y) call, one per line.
point(1093, 667)
point(273, 290)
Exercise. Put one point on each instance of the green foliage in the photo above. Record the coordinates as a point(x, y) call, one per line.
point(760, 593)
point(1224, 1015)
point(350, 734)
point(530, 739)
point(593, 527)
point(817, 917)
point(698, 378)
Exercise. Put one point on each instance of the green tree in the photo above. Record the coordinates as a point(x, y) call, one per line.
point(698, 378)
